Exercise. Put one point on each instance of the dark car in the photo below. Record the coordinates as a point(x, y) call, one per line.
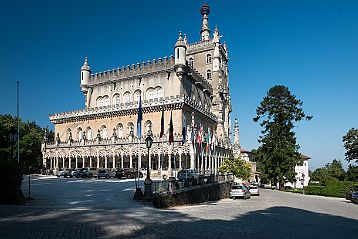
point(354, 197)
point(128, 173)
point(105, 173)
point(351, 190)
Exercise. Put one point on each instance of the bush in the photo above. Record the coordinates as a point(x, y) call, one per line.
point(294, 190)
point(331, 189)
point(163, 201)
point(10, 182)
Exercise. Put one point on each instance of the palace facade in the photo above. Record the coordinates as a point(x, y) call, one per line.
point(191, 86)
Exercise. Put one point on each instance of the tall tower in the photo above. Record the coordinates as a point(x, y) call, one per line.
point(236, 148)
point(205, 31)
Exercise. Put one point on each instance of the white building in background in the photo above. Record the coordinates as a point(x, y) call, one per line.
point(302, 176)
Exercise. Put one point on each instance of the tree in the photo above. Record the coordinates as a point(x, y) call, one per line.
point(278, 153)
point(330, 172)
point(350, 141)
point(352, 173)
point(238, 167)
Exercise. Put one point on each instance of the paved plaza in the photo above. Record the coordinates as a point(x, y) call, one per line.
point(103, 208)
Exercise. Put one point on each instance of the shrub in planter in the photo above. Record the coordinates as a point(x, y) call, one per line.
point(163, 201)
point(10, 182)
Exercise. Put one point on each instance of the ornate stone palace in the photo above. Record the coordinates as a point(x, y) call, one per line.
point(192, 87)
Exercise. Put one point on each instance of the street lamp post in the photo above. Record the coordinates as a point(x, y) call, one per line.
point(303, 183)
point(148, 182)
point(12, 138)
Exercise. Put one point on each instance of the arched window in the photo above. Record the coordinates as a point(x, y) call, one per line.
point(79, 133)
point(116, 99)
point(130, 129)
point(148, 125)
point(105, 100)
point(99, 101)
point(136, 95)
point(191, 62)
point(68, 134)
point(103, 132)
point(119, 129)
point(127, 97)
point(208, 74)
point(89, 133)
point(208, 59)
point(149, 93)
point(158, 92)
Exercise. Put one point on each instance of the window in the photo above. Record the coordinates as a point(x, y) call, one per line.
point(177, 53)
point(119, 129)
point(103, 132)
point(208, 74)
point(89, 133)
point(116, 99)
point(136, 95)
point(79, 133)
point(208, 59)
point(149, 93)
point(191, 62)
point(130, 129)
point(99, 101)
point(68, 134)
point(105, 100)
point(148, 125)
point(127, 97)
point(158, 92)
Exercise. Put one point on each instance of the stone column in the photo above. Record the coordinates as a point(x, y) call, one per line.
point(69, 162)
point(113, 161)
point(180, 160)
point(105, 161)
point(90, 161)
point(56, 162)
point(139, 160)
point(130, 161)
point(83, 162)
point(159, 161)
point(77, 161)
point(192, 159)
point(51, 163)
point(63, 162)
point(97, 160)
point(121, 160)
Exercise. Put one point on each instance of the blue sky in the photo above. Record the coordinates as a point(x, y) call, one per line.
point(309, 46)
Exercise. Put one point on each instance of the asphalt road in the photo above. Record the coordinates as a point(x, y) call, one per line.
point(103, 208)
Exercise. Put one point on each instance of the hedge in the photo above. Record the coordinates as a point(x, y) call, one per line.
point(331, 189)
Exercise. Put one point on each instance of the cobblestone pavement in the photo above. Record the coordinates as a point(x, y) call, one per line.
point(103, 208)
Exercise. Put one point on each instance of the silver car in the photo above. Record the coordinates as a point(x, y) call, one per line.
point(254, 190)
point(239, 191)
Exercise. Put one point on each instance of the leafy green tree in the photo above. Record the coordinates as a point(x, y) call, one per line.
point(237, 166)
point(330, 172)
point(278, 153)
point(352, 173)
point(31, 136)
point(350, 141)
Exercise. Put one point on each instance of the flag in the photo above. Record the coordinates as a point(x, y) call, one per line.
point(171, 129)
point(162, 125)
point(200, 138)
point(213, 142)
point(208, 140)
point(184, 130)
point(140, 118)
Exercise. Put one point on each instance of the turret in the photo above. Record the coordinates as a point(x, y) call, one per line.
point(85, 76)
point(180, 54)
point(205, 31)
point(236, 133)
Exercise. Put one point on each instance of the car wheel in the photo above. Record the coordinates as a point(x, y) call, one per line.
point(58, 176)
point(129, 176)
point(91, 175)
point(107, 176)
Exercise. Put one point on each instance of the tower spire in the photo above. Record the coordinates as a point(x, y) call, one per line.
point(236, 133)
point(205, 31)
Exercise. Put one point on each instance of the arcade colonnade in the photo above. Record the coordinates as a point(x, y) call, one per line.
point(163, 158)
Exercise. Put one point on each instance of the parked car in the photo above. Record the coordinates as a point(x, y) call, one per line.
point(74, 173)
point(352, 189)
point(254, 190)
point(63, 173)
point(105, 173)
point(187, 174)
point(84, 173)
point(128, 173)
point(354, 198)
point(239, 191)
